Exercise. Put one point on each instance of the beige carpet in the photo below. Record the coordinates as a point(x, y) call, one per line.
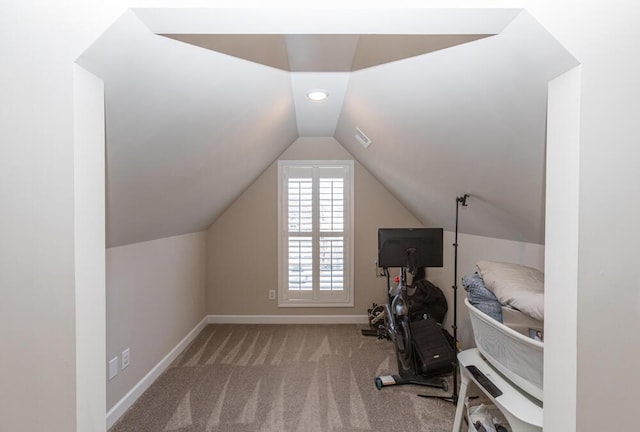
point(276, 378)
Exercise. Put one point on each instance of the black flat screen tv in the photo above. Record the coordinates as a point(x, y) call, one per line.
point(410, 247)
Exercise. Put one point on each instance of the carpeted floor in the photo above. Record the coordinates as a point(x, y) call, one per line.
point(277, 378)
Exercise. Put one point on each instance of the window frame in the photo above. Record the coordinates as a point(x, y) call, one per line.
point(315, 297)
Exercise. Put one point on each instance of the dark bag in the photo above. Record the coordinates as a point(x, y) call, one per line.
point(434, 354)
point(427, 301)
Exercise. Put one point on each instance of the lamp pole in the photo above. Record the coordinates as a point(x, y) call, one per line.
point(460, 201)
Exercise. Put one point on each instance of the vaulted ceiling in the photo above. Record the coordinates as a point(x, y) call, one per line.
point(200, 102)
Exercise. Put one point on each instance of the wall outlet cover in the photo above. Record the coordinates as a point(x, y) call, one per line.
point(113, 368)
point(272, 294)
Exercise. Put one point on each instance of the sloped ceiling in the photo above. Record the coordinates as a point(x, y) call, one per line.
point(188, 129)
point(470, 119)
point(324, 53)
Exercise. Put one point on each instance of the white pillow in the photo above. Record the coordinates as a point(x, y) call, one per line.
point(515, 285)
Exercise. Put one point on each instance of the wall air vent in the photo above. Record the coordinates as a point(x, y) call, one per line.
point(362, 138)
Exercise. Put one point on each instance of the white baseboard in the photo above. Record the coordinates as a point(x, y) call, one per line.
point(288, 319)
point(123, 404)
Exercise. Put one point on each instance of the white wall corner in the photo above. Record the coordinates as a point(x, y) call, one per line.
point(89, 248)
point(561, 254)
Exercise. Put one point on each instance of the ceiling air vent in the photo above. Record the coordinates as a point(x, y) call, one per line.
point(362, 138)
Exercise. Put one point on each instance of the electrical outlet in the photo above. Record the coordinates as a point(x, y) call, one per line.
point(125, 358)
point(113, 368)
point(272, 294)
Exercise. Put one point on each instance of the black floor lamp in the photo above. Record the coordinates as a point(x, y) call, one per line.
point(460, 201)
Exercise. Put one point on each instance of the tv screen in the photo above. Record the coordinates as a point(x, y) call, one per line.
point(410, 247)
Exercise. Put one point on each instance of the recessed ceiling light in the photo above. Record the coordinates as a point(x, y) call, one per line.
point(317, 94)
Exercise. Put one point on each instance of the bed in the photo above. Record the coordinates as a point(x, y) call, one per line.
point(506, 307)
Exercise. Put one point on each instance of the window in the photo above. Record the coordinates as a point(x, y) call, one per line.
point(315, 233)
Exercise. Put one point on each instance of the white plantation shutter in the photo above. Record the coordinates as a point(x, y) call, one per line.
point(331, 263)
point(332, 221)
point(331, 204)
point(300, 263)
point(300, 205)
point(315, 226)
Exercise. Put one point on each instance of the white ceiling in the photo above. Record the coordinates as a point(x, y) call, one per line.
point(322, 61)
point(188, 129)
point(318, 118)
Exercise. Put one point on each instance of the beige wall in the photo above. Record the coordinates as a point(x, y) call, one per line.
point(242, 259)
point(156, 294)
point(243, 245)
